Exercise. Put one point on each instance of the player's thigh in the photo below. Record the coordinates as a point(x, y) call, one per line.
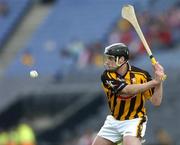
point(102, 141)
point(131, 140)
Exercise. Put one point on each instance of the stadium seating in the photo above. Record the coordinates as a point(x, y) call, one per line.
point(15, 11)
point(88, 21)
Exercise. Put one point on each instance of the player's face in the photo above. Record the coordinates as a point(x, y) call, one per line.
point(110, 62)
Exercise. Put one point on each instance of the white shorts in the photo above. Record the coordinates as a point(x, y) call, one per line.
point(114, 130)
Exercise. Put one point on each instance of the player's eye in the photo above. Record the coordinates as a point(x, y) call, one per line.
point(110, 58)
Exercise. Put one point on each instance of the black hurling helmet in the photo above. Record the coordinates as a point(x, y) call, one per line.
point(116, 51)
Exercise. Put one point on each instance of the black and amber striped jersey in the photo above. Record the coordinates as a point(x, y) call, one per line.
point(129, 107)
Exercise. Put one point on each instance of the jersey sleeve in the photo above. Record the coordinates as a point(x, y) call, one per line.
point(115, 84)
point(148, 94)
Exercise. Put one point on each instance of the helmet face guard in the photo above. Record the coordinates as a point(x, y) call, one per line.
point(112, 63)
point(113, 53)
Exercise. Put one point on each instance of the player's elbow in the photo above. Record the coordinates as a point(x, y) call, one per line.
point(156, 102)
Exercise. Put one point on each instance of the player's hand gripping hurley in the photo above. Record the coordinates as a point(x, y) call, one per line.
point(128, 13)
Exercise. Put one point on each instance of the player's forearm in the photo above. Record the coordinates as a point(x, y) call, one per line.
point(156, 99)
point(134, 89)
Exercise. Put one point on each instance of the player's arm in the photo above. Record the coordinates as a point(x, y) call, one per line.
point(156, 98)
point(134, 89)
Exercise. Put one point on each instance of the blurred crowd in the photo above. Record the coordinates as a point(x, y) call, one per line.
point(4, 8)
point(161, 31)
point(22, 134)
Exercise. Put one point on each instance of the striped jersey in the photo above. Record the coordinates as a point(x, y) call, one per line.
point(129, 107)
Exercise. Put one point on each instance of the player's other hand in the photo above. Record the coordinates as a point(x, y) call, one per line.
point(158, 72)
point(158, 67)
point(159, 76)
